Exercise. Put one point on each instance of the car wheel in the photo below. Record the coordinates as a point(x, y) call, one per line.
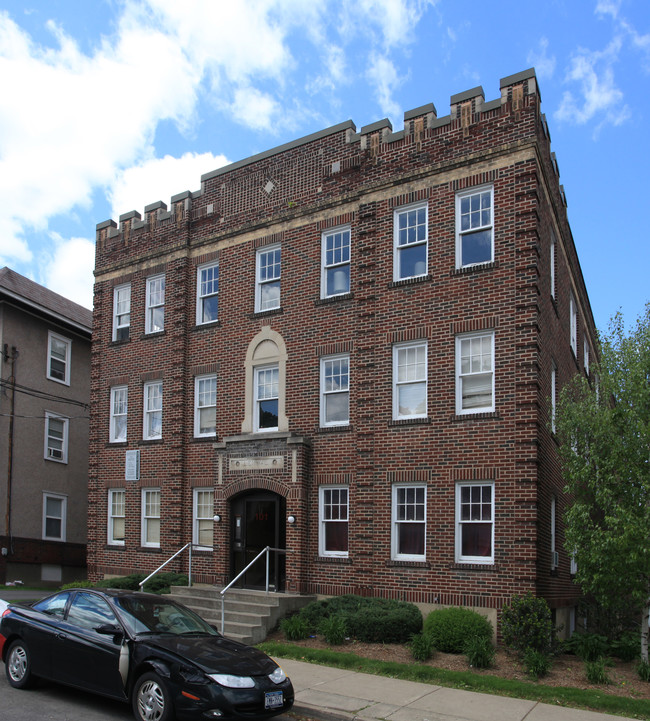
point(151, 699)
point(19, 666)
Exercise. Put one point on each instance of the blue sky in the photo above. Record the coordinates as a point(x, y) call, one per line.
point(109, 105)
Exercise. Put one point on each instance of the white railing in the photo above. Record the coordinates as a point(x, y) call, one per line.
point(171, 558)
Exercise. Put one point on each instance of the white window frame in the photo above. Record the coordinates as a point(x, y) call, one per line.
point(207, 517)
point(552, 264)
point(586, 355)
point(147, 518)
point(460, 376)
point(123, 406)
point(328, 390)
point(62, 518)
point(51, 451)
point(155, 300)
point(553, 395)
point(149, 411)
point(257, 400)
point(460, 558)
point(200, 403)
point(336, 250)
point(342, 510)
point(67, 343)
point(413, 505)
point(121, 312)
point(113, 506)
point(573, 324)
point(401, 243)
point(419, 380)
point(481, 227)
point(263, 280)
point(206, 290)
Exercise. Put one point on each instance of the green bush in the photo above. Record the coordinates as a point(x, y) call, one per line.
point(160, 583)
point(77, 584)
point(527, 624)
point(596, 671)
point(450, 628)
point(643, 669)
point(537, 663)
point(294, 628)
point(421, 647)
point(627, 647)
point(333, 629)
point(479, 651)
point(587, 646)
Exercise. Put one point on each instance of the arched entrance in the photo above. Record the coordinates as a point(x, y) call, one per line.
point(257, 521)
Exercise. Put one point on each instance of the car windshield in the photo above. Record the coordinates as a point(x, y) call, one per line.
point(160, 615)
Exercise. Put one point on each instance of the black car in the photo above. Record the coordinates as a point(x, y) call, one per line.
point(143, 648)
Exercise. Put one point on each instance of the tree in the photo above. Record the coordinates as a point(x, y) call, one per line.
point(603, 424)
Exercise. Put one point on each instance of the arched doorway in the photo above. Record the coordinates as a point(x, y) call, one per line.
point(257, 521)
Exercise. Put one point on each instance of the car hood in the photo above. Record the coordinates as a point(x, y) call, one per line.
point(216, 654)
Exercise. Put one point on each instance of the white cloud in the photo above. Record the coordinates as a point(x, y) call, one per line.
point(608, 7)
point(69, 269)
point(383, 75)
point(544, 65)
point(255, 109)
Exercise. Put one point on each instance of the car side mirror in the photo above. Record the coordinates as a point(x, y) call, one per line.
point(110, 629)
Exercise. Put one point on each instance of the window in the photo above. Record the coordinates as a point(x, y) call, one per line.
point(475, 523)
point(155, 319)
point(121, 312)
point(573, 321)
point(585, 356)
point(335, 248)
point(409, 523)
point(119, 409)
point(410, 381)
point(475, 373)
point(474, 227)
point(552, 265)
point(89, 611)
point(116, 517)
point(205, 406)
point(207, 293)
point(554, 555)
point(333, 513)
point(203, 514)
point(54, 517)
point(56, 438)
point(553, 395)
point(410, 242)
point(267, 288)
point(335, 391)
point(150, 533)
point(152, 410)
point(58, 358)
point(266, 398)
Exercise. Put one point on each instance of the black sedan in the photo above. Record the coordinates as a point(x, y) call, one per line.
point(144, 649)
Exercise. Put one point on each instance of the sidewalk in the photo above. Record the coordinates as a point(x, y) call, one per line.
point(334, 694)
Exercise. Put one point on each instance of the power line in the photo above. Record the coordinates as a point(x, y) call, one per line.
point(42, 395)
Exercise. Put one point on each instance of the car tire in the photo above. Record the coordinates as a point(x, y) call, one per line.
point(18, 665)
point(151, 699)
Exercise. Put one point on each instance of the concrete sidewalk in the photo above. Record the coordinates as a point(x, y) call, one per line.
point(335, 694)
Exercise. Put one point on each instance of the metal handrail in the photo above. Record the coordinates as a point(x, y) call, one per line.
point(266, 550)
point(189, 545)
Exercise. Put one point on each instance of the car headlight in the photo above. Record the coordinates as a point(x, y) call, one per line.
point(227, 679)
point(278, 676)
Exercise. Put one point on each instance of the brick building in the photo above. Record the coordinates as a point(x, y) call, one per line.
point(347, 347)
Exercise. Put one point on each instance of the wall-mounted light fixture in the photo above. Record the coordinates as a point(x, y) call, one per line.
point(216, 518)
point(291, 519)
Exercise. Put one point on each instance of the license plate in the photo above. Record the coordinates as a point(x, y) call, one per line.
point(273, 699)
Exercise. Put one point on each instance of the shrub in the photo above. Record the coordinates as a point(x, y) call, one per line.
point(421, 647)
point(479, 651)
point(643, 669)
point(527, 624)
point(449, 628)
point(537, 663)
point(294, 628)
point(162, 582)
point(333, 629)
point(587, 646)
point(77, 584)
point(131, 583)
point(596, 672)
point(627, 647)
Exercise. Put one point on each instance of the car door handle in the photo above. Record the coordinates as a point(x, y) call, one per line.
point(61, 636)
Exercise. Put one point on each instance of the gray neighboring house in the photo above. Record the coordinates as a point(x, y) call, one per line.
point(44, 409)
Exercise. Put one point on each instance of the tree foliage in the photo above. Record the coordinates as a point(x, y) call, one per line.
point(603, 424)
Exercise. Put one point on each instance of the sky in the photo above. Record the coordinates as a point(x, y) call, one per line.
point(107, 106)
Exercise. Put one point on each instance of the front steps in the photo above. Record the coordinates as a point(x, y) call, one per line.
point(249, 615)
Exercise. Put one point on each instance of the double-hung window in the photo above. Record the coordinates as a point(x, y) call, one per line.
point(150, 531)
point(410, 380)
point(207, 293)
point(267, 287)
point(408, 537)
point(155, 318)
point(410, 242)
point(58, 358)
point(267, 396)
point(335, 390)
point(474, 227)
point(475, 373)
point(121, 312)
point(333, 513)
point(203, 515)
point(116, 516)
point(475, 523)
point(54, 516)
point(119, 411)
point(335, 249)
point(153, 410)
point(573, 320)
point(205, 406)
point(56, 438)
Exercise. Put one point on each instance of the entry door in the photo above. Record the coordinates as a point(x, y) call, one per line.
point(256, 523)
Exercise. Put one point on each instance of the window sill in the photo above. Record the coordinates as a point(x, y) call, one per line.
point(478, 416)
point(344, 560)
point(149, 549)
point(150, 442)
point(409, 422)
point(115, 547)
point(117, 444)
point(205, 439)
point(122, 341)
point(210, 324)
point(490, 567)
point(394, 563)
point(156, 334)
point(334, 299)
point(478, 268)
point(265, 313)
point(57, 460)
point(409, 281)
point(335, 429)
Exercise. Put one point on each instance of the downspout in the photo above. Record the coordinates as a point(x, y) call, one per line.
point(10, 464)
